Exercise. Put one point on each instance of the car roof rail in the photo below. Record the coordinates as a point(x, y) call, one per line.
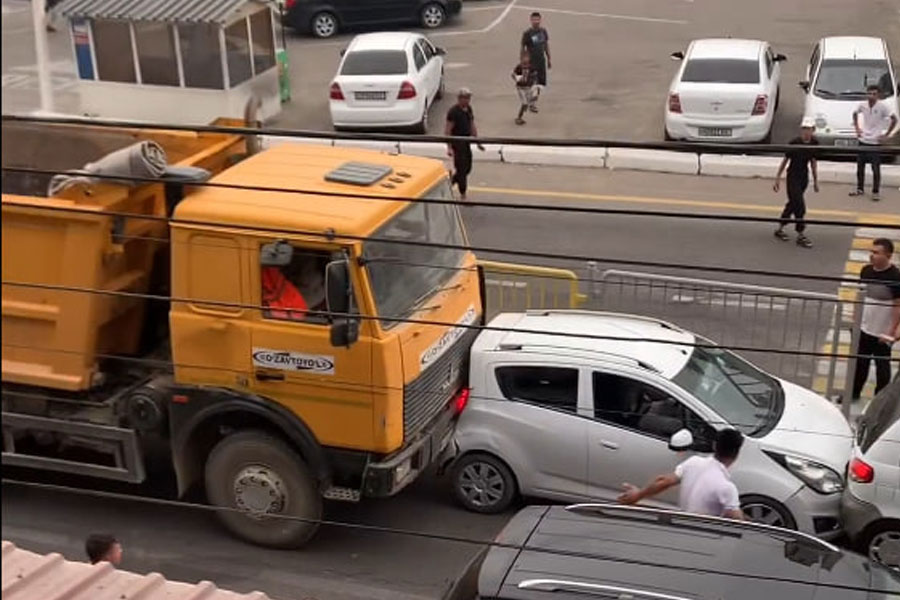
point(665, 516)
point(545, 312)
point(617, 358)
point(599, 589)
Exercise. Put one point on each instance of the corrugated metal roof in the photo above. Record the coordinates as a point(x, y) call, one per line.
point(30, 576)
point(195, 11)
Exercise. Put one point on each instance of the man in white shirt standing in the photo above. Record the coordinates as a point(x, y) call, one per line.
point(877, 126)
point(706, 486)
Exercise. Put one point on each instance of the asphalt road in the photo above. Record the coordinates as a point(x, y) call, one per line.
point(611, 65)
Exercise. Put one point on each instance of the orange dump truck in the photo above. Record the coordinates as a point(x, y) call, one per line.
point(268, 345)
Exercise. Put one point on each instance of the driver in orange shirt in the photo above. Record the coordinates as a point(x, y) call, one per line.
point(281, 296)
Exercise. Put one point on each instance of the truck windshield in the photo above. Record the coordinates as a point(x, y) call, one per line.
point(404, 275)
point(748, 399)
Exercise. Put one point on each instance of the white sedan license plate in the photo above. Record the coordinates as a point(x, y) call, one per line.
point(846, 142)
point(715, 131)
point(370, 95)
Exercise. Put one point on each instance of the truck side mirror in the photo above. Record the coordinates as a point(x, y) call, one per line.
point(344, 328)
point(276, 254)
point(681, 440)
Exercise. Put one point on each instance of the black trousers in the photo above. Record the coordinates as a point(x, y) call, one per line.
point(871, 348)
point(861, 159)
point(796, 205)
point(462, 165)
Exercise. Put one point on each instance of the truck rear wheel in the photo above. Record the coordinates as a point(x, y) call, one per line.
point(259, 473)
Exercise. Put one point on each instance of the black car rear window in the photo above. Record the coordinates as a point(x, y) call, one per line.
point(721, 70)
point(375, 62)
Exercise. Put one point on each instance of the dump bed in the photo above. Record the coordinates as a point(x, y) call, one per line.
point(79, 239)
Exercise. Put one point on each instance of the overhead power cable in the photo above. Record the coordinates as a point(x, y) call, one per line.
point(688, 147)
point(564, 209)
point(443, 537)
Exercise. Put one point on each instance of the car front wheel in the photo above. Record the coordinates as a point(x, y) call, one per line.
point(324, 25)
point(766, 511)
point(433, 15)
point(483, 483)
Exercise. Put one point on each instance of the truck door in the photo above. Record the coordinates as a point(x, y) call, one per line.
point(293, 360)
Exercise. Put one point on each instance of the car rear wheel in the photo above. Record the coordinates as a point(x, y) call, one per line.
point(441, 88)
point(422, 125)
point(760, 509)
point(324, 24)
point(881, 543)
point(483, 483)
point(433, 15)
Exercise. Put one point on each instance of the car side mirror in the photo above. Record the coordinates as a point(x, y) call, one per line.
point(440, 51)
point(344, 328)
point(677, 55)
point(804, 85)
point(343, 52)
point(780, 58)
point(681, 440)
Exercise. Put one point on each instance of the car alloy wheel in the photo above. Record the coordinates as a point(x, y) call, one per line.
point(884, 548)
point(324, 25)
point(433, 16)
point(760, 509)
point(482, 484)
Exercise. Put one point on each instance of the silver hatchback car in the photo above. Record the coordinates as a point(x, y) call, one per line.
point(568, 405)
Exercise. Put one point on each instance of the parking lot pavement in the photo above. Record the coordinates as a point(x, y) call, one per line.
point(611, 65)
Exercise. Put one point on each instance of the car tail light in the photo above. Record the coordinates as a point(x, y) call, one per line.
point(461, 400)
point(674, 103)
point(761, 105)
point(289, 4)
point(861, 472)
point(407, 91)
point(336, 93)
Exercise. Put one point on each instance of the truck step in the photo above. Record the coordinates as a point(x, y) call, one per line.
point(344, 494)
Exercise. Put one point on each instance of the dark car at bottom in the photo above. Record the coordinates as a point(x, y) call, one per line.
point(616, 552)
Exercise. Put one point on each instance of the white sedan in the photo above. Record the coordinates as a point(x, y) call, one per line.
point(387, 79)
point(726, 90)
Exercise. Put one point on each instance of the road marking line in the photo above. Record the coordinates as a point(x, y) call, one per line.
point(577, 13)
point(769, 208)
point(486, 29)
point(456, 65)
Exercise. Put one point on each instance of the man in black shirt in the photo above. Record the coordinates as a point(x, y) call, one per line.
point(536, 42)
point(798, 162)
point(880, 325)
point(461, 122)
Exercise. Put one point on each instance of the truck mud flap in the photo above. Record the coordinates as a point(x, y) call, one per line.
point(120, 445)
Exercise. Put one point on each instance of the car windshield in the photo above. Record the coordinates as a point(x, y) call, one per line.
point(404, 275)
point(848, 79)
point(748, 399)
point(375, 62)
point(720, 70)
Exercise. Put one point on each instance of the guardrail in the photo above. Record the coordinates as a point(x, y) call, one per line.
point(516, 287)
point(735, 314)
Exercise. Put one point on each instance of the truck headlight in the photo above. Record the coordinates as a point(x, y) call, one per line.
point(819, 477)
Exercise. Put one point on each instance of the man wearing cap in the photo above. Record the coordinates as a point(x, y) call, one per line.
point(461, 123)
point(799, 162)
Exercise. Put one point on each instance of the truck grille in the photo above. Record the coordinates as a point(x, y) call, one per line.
point(424, 397)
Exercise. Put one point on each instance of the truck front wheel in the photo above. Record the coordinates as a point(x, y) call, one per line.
point(256, 472)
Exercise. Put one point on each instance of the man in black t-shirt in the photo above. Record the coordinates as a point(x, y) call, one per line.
point(799, 163)
point(880, 325)
point(536, 42)
point(461, 122)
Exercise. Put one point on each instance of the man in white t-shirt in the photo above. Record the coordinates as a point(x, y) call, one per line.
point(878, 122)
point(706, 486)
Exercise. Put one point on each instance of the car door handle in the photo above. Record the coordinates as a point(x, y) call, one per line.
point(610, 445)
point(266, 376)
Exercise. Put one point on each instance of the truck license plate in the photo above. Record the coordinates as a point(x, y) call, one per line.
point(715, 131)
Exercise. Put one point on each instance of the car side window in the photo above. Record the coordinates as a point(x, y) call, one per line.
point(552, 387)
point(296, 291)
point(419, 57)
point(813, 61)
point(635, 405)
point(770, 62)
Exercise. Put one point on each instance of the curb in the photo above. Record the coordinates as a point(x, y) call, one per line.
point(659, 161)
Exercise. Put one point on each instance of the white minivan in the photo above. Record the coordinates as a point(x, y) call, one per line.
point(839, 71)
point(568, 405)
